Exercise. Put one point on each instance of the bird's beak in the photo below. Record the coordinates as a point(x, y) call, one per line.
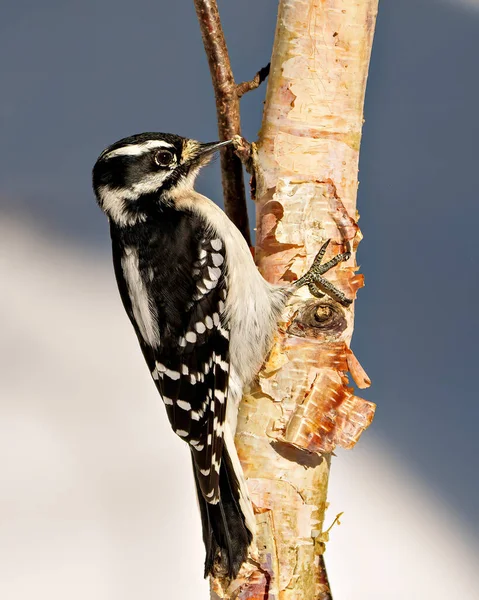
point(211, 147)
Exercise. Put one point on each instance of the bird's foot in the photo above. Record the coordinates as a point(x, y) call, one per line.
point(319, 286)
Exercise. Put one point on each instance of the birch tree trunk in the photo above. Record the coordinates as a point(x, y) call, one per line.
point(306, 166)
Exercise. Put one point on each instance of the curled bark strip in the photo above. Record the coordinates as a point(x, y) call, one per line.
point(318, 354)
point(361, 378)
point(321, 412)
point(330, 415)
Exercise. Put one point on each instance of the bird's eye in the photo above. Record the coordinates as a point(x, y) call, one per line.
point(163, 158)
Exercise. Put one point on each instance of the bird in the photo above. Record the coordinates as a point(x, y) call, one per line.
point(204, 316)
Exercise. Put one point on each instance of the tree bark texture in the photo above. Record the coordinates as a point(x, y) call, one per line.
point(305, 167)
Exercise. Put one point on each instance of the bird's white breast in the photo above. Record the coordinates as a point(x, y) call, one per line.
point(252, 306)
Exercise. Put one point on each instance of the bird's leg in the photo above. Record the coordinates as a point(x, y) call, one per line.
point(314, 277)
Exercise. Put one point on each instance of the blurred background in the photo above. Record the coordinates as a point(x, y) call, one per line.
point(96, 494)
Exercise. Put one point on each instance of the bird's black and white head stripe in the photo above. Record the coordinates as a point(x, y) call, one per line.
point(130, 175)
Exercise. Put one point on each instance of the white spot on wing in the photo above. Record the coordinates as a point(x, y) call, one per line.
point(181, 432)
point(208, 284)
point(183, 405)
point(216, 244)
point(214, 273)
point(202, 290)
point(221, 363)
point(191, 337)
point(216, 463)
point(217, 259)
point(219, 395)
point(172, 374)
point(200, 327)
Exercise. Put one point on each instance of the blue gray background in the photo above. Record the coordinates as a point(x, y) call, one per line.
point(77, 76)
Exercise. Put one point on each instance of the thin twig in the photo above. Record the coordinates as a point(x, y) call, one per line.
point(247, 86)
point(228, 112)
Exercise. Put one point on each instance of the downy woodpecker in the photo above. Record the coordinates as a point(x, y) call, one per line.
point(203, 314)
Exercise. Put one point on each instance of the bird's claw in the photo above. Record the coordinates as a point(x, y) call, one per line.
point(314, 277)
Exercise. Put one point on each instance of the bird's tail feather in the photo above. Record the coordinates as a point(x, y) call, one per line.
point(227, 526)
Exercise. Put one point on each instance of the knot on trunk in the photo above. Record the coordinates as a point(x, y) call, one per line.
point(318, 318)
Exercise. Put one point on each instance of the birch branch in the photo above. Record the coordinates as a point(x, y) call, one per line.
point(301, 408)
point(227, 96)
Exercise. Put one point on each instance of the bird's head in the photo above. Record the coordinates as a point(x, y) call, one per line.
point(145, 169)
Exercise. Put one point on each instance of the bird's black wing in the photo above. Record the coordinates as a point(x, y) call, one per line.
point(190, 361)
